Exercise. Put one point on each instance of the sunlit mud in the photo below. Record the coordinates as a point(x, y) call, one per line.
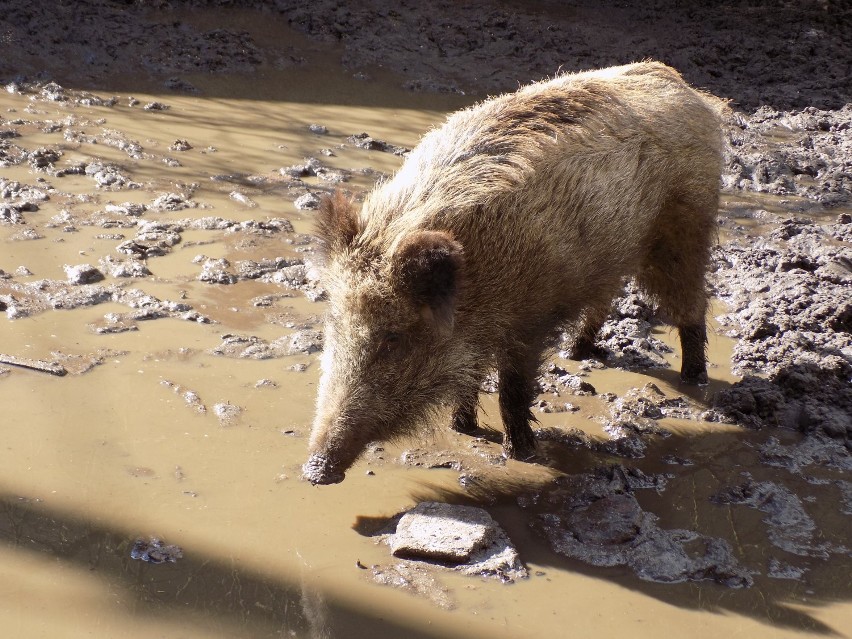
point(154, 489)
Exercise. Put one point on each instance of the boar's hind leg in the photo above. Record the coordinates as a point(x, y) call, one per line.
point(674, 273)
point(685, 307)
point(517, 391)
point(464, 417)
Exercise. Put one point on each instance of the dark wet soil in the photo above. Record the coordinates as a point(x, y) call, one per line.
point(787, 56)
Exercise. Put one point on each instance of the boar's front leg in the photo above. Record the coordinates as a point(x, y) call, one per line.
point(693, 342)
point(517, 388)
point(464, 417)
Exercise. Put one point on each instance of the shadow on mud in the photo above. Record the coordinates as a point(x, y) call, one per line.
point(753, 53)
point(216, 593)
point(736, 520)
point(813, 581)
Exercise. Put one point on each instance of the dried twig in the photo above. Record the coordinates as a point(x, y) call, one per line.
point(34, 364)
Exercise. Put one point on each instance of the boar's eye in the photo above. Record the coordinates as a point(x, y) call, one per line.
point(390, 343)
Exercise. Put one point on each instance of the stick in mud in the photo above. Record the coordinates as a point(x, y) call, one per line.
point(34, 364)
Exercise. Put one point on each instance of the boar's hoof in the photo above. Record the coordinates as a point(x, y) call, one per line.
point(694, 378)
point(521, 451)
point(319, 470)
point(585, 348)
point(529, 456)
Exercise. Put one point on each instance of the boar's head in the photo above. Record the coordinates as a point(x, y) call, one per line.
point(392, 353)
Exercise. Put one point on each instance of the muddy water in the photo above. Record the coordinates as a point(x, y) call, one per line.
point(153, 435)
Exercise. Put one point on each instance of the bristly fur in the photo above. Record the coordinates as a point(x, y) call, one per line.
point(518, 216)
point(430, 264)
point(336, 223)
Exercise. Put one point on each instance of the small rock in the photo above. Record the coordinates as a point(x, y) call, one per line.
point(248, 347)
point(462, 536)
point(124, 268)
point(305, 341)
point(308, 201)
point(112, 328)
point(215, 271)
point(155, 551)
point(171, 202)
point(83, 274)
point(227, 413)
point(308, 169)
point(26, 235)
point(180, 145)
point(242, 198)
point(364, 141)
point(44, 158)
point(10, 214)
point(192, 399)
point(129, 209)
point(441, 531)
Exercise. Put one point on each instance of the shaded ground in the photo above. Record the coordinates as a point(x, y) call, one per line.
point(782, 54)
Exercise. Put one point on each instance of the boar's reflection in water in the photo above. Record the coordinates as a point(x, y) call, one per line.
point(519, 216)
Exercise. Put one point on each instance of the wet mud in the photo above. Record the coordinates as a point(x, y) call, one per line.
point(162, 325)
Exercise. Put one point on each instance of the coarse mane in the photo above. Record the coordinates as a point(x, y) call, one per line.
point(485, 152)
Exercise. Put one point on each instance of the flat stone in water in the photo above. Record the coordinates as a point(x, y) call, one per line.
point(444, 532)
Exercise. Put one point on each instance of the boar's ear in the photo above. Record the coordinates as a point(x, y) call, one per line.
point(430, 267)
point(337, 222)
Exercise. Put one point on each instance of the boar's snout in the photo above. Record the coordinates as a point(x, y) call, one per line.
point(320, 470)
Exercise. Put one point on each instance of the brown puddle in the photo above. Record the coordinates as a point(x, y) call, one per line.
point(161, 438)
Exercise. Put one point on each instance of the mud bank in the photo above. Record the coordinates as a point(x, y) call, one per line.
point(791, 312)
point(790, 56)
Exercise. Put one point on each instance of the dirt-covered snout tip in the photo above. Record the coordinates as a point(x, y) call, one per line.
point(320, 470)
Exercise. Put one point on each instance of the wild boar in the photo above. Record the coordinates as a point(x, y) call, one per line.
point(517, 217)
